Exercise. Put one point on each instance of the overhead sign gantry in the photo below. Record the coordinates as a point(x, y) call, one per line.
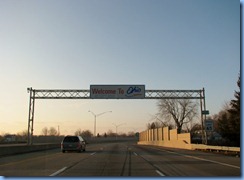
point(111, 92)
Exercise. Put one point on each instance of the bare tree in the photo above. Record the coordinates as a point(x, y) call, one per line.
point(131, 134)
point(45, 131)
point(86, 134)
point(180, 110)
point(24, 133)
point(53, 131)
point(148, 125)
point(159, 122)
point(78, 132)
point(22, 136)
point(195, 130)
point(110, 133)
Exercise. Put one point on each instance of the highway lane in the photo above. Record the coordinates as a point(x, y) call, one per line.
point(120, 159)
point(179, 162)
point(115, 159)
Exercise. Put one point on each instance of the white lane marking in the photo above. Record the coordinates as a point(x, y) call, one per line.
point(158, 170)
point(160, 173)
point(224, 164)
point(58, 172)
point(135, 154)
point(155, 166)
point(63, 169)
point(202, 159)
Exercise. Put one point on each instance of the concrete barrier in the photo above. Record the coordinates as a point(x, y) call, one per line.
point(165, 137)
point(18, 149)
point(170, 144)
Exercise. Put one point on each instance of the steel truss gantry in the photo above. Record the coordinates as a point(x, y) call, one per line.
point(85, 94)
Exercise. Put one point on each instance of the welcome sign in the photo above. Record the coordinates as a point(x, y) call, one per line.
point(117, 91)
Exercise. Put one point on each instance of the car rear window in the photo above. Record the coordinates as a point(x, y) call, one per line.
point(71, 139)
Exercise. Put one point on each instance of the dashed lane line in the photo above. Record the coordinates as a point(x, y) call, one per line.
point(64, 168)
point(59, 171)
point(160, 173)
point(157, 169)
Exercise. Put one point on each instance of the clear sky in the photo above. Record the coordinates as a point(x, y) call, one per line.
point(63, 44)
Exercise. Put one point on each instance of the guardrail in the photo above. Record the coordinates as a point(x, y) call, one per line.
point(225, 149)
point(202, 147)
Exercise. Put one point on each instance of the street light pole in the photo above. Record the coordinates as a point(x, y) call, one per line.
point(95, 119)
point(117, 128)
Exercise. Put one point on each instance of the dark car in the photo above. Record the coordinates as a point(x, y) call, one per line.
point(73, 143)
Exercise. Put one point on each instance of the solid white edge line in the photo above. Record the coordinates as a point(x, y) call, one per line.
point(160, 173)
point(58, 172)
point(202, 159)
point(216, 162)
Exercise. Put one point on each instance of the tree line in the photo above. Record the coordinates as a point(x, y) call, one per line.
point(53, 134)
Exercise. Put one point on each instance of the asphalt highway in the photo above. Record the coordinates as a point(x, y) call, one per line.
point(121, 159)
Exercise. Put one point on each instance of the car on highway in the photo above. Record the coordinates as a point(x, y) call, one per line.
point(73, 143)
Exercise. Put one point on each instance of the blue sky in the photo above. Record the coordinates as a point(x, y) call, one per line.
point(164, 44)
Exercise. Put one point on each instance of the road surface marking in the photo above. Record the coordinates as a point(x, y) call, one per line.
point(158, 170)
point(202, 159)
point(212, 161)
point(63, 169)
point(58, 172)
point(154, 165)
point(135, 154)
point(160, 173)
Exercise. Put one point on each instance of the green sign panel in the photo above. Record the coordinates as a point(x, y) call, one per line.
point(206, 112)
